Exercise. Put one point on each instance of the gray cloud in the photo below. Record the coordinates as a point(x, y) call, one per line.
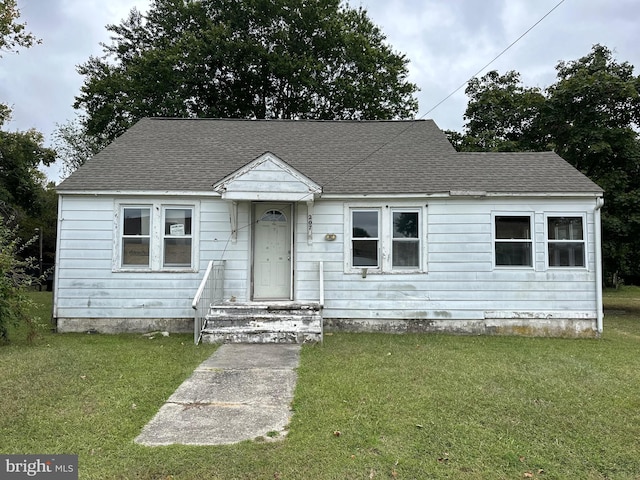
point(446, 42)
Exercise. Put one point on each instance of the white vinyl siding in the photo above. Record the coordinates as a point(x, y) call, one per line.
point(457, 250)
point(88, 285)
point(459, 280)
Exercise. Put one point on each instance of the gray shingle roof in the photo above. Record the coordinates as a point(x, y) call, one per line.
point(344, 157)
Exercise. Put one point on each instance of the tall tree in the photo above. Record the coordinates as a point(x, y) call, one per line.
point(23, 197)
point(244, 59)
point(21, 183)
point(589, 116)
point(592, 112)
point(502, 115)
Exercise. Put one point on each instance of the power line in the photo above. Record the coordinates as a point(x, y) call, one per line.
point(410, 125)
point(492, 60)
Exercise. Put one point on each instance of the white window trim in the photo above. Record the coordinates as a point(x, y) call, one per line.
point(121, 236)
point(164, 236)
point(156, 240)
point(421, 239)
point(385, 238)
point(584, 240)
point(378, 267)
point(531, 240)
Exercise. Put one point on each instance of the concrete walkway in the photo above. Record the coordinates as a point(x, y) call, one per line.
point(239, 393)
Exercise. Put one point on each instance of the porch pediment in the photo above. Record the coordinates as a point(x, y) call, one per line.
point(268, 178)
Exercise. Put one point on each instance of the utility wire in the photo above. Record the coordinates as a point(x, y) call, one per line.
point(410, 125)
point(492, 60)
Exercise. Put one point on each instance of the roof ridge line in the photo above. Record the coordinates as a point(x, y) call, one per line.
point(287, 120)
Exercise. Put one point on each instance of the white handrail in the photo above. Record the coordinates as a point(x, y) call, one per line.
point(211, 290)
point(203, 284)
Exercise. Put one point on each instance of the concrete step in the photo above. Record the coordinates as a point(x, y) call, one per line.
point(245, 309)
point(263, 323)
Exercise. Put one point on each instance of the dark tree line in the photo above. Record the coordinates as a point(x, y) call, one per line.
point(26, 198)
point(590, 117)
point(27, 202)
point(239, 59)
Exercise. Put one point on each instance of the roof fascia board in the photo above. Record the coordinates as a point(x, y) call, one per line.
point(299, 197)
point(458, 195)
point(547, 194)
point(141, 193)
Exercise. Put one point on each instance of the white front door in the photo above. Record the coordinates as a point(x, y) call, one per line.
point(272, 252)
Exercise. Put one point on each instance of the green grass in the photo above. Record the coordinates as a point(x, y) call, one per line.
point(366, 406)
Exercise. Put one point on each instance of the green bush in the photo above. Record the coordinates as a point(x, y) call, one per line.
point(15, 279)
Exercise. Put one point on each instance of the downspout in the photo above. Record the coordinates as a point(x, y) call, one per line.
point(56, 267)
point(599, 311)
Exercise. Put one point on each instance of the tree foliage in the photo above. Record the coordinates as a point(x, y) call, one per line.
point(590, 117)
point(23, 187)
point(25, 194)
point(12, 36)
point(27, 203)
point(21, 153)
point(244, 59)
point(502, 114)
point(12, 33)
point(73, 145)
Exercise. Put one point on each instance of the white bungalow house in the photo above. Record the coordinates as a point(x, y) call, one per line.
point(351, 225)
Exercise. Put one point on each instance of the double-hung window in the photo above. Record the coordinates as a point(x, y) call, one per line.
point(513, 241)
point(155, 237)
point(365, 239)
point(406, 240)
point(385, 239)
point(177, 239)
point(565, 242)
point(136, 237)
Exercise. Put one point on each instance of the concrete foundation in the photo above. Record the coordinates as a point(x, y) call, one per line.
point(303, 331)
point(557, 327)
point(124, 325)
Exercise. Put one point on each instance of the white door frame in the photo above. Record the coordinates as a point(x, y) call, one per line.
point(291, 223)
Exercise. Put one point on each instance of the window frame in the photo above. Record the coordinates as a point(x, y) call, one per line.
point(156, 236)
point(530, 240)
point(165, 236)
point(377, 239)
point(582, 216)
point(385, 238)
point(394, 239)
point(123, 236)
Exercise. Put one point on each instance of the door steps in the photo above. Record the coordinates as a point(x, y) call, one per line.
point(264, 322)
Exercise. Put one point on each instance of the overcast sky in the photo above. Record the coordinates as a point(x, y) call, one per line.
point(446, 41)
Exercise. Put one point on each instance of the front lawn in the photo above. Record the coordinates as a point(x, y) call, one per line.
point(366, 406)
